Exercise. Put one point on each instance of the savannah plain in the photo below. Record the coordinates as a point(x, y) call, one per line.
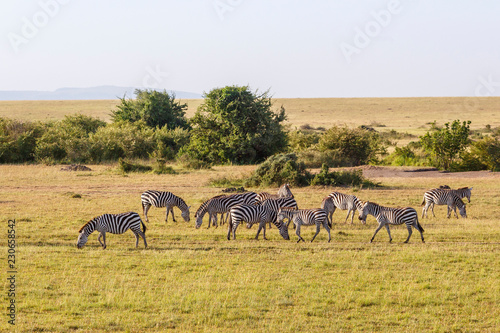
point(195, 280)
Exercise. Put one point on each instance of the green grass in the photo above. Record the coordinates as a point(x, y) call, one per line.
point(195, 280)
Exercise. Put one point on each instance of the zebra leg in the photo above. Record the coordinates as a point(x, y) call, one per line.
point(145, 209)
point(424, 210)
point(389, 232)
point(297, 232)
point(329, 219)
point(420, 229)
point(432, 209)
point(99, 239)
point(327, 228)
point(104, 239)
point(229, 228)
point(262, 226)
point(410, 231)
point(348, 213)
point(171, 211)
point(380, 225)
point(455, 211)
point(318, 226)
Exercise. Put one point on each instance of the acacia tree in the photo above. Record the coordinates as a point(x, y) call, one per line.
point(445, 144)
point(234, 125)
point(155, 108)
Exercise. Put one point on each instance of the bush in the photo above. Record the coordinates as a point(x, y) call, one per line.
point(235, 125)
point(299, 141)
point(121, 140)
point(127, 167)
point(350, 147)
point(341, 178)
point(154, 108)
point(169, 142)
point(279, 169)
point(18, 140)
point(487, 151)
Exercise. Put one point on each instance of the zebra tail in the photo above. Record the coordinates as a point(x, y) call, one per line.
point(420, 226)
point(143, 227)
point(423, 202)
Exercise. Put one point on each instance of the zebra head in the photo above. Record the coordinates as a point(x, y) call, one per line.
point(468, 193)
point(185, 214)
point(82, 239)
point(199, 220)
point(364, 211)
point(284, 231)
point(462, 211)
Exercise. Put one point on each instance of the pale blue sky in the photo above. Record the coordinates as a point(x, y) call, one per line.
point(341, 48)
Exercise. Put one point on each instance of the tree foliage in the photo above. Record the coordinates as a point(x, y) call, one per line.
point(445, 144)
point(155, 108)
point(234, 125)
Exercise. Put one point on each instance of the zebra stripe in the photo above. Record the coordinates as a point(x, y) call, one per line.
point(115, 224)
point(396, 216)
point(443, 197)
point(341, 201)
point(164, 199)
point(252, 214)
point(221, 204)
point(283, 192)
point(301, 217)
point(275, 204)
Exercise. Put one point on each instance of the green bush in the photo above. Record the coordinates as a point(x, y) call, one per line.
point(121, 140)
point(18, 140)
point(341, 178)
point(279, 169)
point(169, 142)
point(302, 140)
point(127, 167)
point(487, 151)
point(351, 147)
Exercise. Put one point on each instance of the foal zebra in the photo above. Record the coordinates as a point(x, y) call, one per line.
point(164, 199)
point(396, 216)
point(252, 214)
point(115, 224)
point(283, 192)
point(301, 217)
point(221, 204)
point(341, 201)
point(441, 197)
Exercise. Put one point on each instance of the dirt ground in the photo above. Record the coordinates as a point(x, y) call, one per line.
point(371, 171)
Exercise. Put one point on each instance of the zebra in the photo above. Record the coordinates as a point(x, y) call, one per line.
point(217, 205)
point(247, 198)
point(115, 224)
point(301, 217)
point(463, 192)
point(275, 204)
point(252, 214)
point(342, 201)
point(388, 215)
point(283, 192)
point(440, 197)
point(164, 199)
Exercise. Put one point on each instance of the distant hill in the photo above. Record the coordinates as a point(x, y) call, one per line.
point(102, 92)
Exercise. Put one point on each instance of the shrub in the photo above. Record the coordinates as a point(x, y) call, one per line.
point(279, 169)
point(154, 108)
point(341, 178)
point(169, 142)
point(299, 141)
point(127, 167)
point(487, 151)
point(235, 125)
point(18, 140)
point(351, 147)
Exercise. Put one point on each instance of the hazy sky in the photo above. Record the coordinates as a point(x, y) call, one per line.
point(338, 48)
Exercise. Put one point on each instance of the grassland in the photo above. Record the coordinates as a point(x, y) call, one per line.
point(194, 280)
point(411, 115)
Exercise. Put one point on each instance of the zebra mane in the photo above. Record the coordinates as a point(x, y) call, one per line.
point(463, 188)
point(86, 224)
point(205, 203)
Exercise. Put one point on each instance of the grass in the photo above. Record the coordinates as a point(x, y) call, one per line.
point(195, 280)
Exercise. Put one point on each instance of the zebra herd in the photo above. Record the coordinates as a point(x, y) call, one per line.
point(263, 208)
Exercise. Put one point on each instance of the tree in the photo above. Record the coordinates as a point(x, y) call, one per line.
point(155, 108)
point(234, 125)
point(445, 144)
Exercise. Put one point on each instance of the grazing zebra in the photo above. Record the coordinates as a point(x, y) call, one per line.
point(252, 214)
point(301, 217)
point(341, 201)
point(441, 197)
point(247, 198)
point(275, 204)
point(164, 199)
point(283, 192)
point(388, 215)
point(217, 205)
point(115, 224)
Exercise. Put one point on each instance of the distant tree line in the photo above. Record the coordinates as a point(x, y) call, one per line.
point(232, 126)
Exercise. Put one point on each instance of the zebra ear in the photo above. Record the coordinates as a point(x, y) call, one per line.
point(470, 189)
point(189, 207)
